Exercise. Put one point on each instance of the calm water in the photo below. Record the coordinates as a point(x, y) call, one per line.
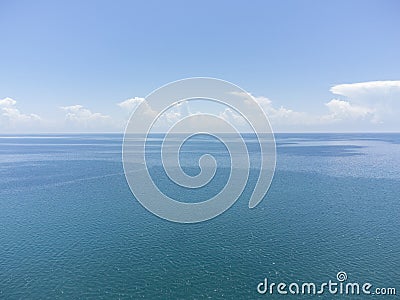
point(71, 229)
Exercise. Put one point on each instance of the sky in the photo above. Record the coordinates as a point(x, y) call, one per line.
point(313, 66)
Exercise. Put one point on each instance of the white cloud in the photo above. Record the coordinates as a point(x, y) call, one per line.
point(282, 115)
point(131, 104)
point(344, 110)
point(12, 119)
point(380, 98)
point(173, 115)
point(165, 121)
point(80, 117)
point(232, 117)
point(368, 88)
point(7, 102)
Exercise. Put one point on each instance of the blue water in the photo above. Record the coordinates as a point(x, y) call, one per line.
point(71, 229)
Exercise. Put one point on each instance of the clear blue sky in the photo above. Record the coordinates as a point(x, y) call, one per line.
point(98, 53)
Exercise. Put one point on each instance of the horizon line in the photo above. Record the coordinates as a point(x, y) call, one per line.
point(277, 132)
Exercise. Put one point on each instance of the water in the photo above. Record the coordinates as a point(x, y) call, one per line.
point(71, 229)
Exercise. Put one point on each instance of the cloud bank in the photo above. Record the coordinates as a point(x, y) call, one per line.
point(363, 106)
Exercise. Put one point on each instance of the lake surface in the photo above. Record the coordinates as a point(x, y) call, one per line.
point(70, 227)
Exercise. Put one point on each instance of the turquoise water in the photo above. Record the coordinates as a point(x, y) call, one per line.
point(71, 229)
